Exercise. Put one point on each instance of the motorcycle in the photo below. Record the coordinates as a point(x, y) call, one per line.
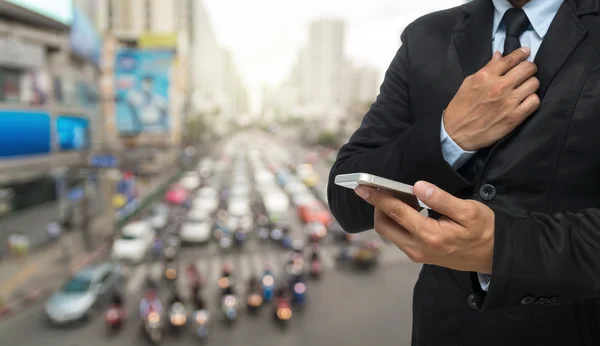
point(276, 234)
point(315, 267)
point(229, 307)
point(201, 320)
point(267, 286)
point(263, 233)
point(114, 318)
point(286, 241)
point(225, 243)
point(254, 299)
point(153, 327)
point(171, 273)
point(177, 316)
point(299, 293)
point(283, 311)
point(240, 237)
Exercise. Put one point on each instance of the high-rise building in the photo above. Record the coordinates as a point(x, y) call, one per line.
point(218, 89)
point(326, 58)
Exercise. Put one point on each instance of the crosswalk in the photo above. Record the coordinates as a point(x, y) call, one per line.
point(244, 265)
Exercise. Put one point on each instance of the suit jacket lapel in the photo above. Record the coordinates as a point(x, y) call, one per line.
point(473, 39)
point(564, 35)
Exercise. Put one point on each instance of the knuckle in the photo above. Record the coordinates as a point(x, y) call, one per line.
point(435, 242)
point(480, 76)
point(509, 60)
point(499, 89)
point(529, 67)
point(470, 213)
point(396, 211)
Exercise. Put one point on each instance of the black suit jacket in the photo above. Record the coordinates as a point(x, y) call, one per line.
point(542, 180)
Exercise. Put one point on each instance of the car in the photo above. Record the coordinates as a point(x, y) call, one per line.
point(135, 241)
point(177, 195)
point(195, 232)
point(198, 214)
point(239, 207)
point(207, 191)
point(294, 187)
point(159, 216)
point(190, 181)
point(206, 203)
point(303, 198)
point(205, 167)
point(314, 212)
point(83, 294)
point(240, 190)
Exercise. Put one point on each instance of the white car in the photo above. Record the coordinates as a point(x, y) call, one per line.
point(208, 203)
point(303, 198)
point(198, 215)
point(159, 216)
point(295, 187)
point(239, 207)
point(241, 190)
point(195, 232)
point(134, 243)
point(190, 181)
point(207, 191)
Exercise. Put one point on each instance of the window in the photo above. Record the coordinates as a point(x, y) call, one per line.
point(33, 193)
point(10, 85)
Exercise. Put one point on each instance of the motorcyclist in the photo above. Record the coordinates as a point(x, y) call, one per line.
point(253, 284)
point(195, 278)
point(150, 303)
point(228, 274)
point(117, 300)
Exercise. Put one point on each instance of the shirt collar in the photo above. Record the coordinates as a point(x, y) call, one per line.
point(540, 14)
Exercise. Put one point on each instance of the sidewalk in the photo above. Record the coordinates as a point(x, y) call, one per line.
point(26, 280)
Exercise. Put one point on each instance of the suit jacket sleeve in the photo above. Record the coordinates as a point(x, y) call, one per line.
point(391, 142)
point(541, 259)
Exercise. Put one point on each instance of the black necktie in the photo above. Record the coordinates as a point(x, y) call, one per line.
point(516, 22)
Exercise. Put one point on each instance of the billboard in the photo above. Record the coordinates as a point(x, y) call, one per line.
point(158, 41)
point(84, 40)
point(72, 133)
point(24, 134)
point(142, 91)
point(58, 10)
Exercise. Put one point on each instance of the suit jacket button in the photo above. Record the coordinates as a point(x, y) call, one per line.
point(527, 300)
point(487, 192)
point(471, 302)
point(542, 301)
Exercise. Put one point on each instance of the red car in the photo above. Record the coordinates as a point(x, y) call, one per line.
point(314, 212)
point(176, 195)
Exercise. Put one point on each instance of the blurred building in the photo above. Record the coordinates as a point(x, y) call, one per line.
point(48, 115)
point(138, 28)
point(323, 83)
point(219, 93)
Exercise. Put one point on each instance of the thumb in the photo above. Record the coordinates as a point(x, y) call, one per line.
point(440, 200)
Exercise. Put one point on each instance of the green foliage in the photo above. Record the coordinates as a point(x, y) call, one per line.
point(328, 139)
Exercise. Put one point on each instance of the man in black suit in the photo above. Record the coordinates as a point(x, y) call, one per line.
point(504, 148)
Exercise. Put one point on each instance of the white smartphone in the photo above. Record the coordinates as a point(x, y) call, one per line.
point(401, 191)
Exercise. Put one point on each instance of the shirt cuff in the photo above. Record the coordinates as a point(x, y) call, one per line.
point(453, 154)
point(484, 281)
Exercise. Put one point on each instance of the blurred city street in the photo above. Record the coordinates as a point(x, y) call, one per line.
point(344, 306)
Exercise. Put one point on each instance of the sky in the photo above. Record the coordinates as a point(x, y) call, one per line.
point(265, 35)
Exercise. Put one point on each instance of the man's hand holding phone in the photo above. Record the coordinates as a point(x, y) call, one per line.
point(462, 239)
point(493, 102)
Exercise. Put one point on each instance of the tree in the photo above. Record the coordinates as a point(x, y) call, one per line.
point(328, 139)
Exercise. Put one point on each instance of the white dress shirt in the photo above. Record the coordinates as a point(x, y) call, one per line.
point(540, 13)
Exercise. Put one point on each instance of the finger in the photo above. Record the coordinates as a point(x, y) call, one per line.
point(529, 105)
point(397, 210)
point(441, 201)
point(528, 87)
point(507, 63)
point(522, 72)
point(390, 230)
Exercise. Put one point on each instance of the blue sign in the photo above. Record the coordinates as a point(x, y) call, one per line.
point(76, 194)
point(104, 161)
point(142, 81)
point(24, 133)
point(85, 40)
point(72, 133)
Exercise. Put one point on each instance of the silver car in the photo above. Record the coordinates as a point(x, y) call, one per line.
point(83, 294)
